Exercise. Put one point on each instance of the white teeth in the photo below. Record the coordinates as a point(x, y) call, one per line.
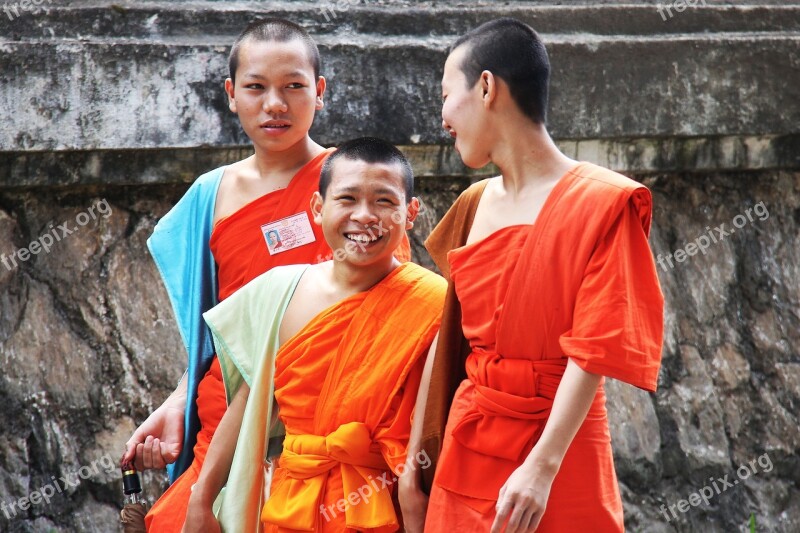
point(360, 238)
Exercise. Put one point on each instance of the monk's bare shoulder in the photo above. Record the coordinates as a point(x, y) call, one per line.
point(308, 300)
point(234, 192)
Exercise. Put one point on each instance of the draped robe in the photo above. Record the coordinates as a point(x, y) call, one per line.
point(345, 386)
point(579, 283)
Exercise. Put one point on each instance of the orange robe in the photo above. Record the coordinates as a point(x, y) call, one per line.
point(241, 254)
point(345, 386)
point(579, 283)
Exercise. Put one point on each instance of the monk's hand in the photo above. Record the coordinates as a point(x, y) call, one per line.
point(413, 502)
point(523, 498)
point(158, 441)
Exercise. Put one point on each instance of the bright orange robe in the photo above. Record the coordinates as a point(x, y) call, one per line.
point(579, 283)
point(241, 254)
point(346, 387)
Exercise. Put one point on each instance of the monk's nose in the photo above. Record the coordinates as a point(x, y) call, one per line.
point(274, 103)
point(363, 215)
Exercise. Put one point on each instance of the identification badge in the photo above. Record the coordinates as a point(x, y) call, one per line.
point(288, 233)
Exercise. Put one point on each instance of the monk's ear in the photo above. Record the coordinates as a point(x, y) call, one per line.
point(321, 85)
point(412, 211)
point(316, 207)
point(231, 97)
point(488, 87)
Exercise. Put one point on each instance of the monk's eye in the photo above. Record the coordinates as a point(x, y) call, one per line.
point(296, 86)
point(345, 198)
point(386, 201)
point(255, 86)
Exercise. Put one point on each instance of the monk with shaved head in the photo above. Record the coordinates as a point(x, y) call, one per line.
point(552, 288)
point(340, 346)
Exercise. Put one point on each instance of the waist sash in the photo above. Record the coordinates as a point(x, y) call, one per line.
point(295, 502)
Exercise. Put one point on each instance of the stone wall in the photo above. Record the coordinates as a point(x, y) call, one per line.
point(109, 110)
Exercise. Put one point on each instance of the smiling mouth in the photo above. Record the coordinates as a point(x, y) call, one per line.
point(363, 239)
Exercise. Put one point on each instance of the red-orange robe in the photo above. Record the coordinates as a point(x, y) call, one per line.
point(346, 385)
point(579, 283)
point(241, 254)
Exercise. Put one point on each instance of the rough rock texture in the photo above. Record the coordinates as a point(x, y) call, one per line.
point(728, 390)
point(88, 346)
point(120, 102)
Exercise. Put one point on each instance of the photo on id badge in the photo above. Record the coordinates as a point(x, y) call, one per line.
point(288, 233)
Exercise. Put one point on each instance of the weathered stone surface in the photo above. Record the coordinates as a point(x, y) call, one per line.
point(635, 434)
point(89, 346)
point(728, 385)
point(728, 389)
point(174, 166)
point(74, 87)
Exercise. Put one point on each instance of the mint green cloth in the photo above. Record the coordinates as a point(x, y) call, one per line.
point(245, 329)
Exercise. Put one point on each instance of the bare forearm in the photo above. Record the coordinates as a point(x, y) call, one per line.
point(179, 395)
point(415, 439)
point(571, 404)
point(413, 501)
point(523, 498)
point(217, 465)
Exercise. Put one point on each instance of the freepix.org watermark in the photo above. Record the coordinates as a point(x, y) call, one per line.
point(703, 242)
point(679, 6)
point(717, 486)
point(12, 10)
point(330, 7)
point(375, 485)
point(55, 234)
point(58, 485)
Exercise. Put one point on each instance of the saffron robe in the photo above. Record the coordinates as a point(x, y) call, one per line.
point(579, 283)
point(345, 386)
point(180, 246)
point(241, 253)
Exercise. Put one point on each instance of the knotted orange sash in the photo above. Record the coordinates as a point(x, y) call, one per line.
point(518, 418)
point(308, 459)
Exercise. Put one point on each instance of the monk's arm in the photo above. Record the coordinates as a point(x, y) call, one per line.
point(571, 404)
point(217, 465)
point(524, 496)
point(413, 501)
point(159, 440)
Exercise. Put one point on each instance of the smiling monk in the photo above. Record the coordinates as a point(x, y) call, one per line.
point(342, 345)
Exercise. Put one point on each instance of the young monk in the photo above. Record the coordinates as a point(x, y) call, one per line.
point(224, 232)
point(344, 342)
point(553, 285)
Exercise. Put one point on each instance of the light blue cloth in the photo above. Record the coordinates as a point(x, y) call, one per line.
point(180, 247)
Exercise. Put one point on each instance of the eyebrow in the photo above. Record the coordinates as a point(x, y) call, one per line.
point(351, 189)
point(292, 74)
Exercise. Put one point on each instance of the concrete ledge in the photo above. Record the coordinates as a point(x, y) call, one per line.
point(25, 170)
point(199, 20)
point(94, 96)
point(130, 92)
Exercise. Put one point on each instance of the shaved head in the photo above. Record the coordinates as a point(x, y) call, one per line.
point(274, 29)
point(369, 150)
point(512, 51)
